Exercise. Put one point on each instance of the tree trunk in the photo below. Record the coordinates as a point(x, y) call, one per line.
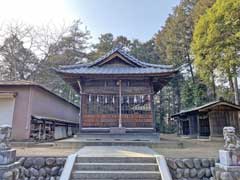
point(190, 67)
point(214, 87)
point(178, 95)
point(236, 95)
point(235, 83)
point(231, 84)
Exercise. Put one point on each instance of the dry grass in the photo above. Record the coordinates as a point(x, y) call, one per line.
point(191, 148)
point(43, 151)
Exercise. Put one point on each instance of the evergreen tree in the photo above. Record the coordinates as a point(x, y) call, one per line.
point(216, 43)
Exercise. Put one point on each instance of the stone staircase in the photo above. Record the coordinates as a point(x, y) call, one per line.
point(115, 168)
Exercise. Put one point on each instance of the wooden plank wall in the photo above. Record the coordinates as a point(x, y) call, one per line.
point(219, 119)
point(111, 120)
point(109, 87)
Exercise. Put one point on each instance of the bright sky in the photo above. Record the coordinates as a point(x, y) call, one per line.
point(139, 19)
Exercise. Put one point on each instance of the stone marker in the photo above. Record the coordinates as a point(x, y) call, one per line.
point(229, 166)
point(9, 169)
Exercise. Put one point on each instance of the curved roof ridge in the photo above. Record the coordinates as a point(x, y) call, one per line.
point(93, 65)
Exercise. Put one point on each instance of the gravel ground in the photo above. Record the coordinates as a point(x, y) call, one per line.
point(191, 148)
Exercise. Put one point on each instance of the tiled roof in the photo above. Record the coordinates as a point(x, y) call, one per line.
point(208, 105)
point(114, 70)
point(93, 68)
point(31, 83)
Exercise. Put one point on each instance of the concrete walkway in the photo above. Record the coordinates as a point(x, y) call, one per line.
point(116, 151)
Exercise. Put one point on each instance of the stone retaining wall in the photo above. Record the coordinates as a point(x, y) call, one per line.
point(191, 168)
point(41, 168)
point(50, 168)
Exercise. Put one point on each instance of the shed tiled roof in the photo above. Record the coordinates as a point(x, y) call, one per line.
point(206, 106)
point(31, 83)
point(93, 68)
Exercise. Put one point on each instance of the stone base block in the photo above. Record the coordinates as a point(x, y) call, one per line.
point(7, 156)
point(9, 171)
point(227, 168)
point(229, 158)
point(223, 172)
point(117, 130)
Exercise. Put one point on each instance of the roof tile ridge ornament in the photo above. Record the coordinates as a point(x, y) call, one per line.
point(87, 64)
point(115, 50)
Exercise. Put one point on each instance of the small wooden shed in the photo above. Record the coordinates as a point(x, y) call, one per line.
point(208, 120)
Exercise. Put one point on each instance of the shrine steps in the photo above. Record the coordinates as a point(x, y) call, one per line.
point(117, 168)
point(116, 163)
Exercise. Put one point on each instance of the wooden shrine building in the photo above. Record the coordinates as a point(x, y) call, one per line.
point(208, 120)
point(117, 91)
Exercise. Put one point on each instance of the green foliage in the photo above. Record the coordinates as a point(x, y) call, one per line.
point(173, 41)
point(145, 51)
point(200, 8)
point(106, 43)
point(216, 41)
point(194, 94)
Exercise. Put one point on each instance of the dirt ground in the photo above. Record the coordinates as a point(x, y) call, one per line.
point(191, 148)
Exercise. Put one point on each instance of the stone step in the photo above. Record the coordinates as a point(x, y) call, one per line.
point(112, 179)
point(116, 160)
point(116, 166)
point(116, 175)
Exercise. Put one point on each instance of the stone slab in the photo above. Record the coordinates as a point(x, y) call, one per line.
point(103, 137)
point(228, 168)
point(116, 151)
point(117, 130)
point(229, 158)
point(7, 156)
point(8, 167)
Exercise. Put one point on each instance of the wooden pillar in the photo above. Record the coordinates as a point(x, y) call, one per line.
point(44, 129)
point(67, 130)
point(198, 126)
point(178, 126)
point(153, 111)
point(80, 106)
point(120, 104)
point(54, 129)
point(211, 123)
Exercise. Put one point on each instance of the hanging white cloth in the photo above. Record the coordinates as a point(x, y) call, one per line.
point(135, 99)
point(89, 98)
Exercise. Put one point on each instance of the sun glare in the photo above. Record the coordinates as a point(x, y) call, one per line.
point(34, 11)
